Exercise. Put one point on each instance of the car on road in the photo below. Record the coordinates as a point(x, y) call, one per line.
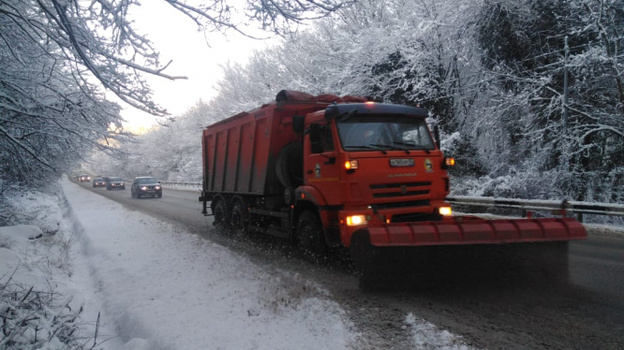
point(114, 183)
point(145, 186)
point(84, 178)
point(99, 182)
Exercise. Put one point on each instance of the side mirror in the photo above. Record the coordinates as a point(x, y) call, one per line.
point(315, 138)
point(436, 135)
point(297, 123)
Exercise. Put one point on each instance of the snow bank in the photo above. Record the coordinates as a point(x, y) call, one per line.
point(163, 288)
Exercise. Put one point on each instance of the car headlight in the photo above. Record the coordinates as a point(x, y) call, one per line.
point(144, 188)
point(157, 187)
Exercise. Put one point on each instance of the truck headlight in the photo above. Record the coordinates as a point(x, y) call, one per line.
point(445, 211)
point(356, 220)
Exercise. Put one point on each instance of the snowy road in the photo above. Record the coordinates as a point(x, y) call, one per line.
point(587, 313)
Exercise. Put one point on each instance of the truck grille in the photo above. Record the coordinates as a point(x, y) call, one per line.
point(400, 189)
point(380, 206)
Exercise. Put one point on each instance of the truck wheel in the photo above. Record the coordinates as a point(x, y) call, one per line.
point(239, 218)
point(220, 212)
point(309, 235)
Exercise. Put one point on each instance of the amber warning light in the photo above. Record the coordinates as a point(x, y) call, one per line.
point(351, 164)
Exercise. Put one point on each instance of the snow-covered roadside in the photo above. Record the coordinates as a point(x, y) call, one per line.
point(38, 309)
point(163, 288)
point(144, 284)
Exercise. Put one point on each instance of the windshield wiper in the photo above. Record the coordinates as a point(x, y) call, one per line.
point(402, 146)
point(375, 147)
point(412, 145)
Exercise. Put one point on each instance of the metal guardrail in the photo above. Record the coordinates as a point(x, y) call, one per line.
point(185, 185)
point(555, 207)
point(524, 205)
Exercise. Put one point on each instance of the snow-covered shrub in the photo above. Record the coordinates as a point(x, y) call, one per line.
point(35, 310)
point(36, 319)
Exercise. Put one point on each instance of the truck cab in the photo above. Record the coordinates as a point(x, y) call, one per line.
point(370, 164)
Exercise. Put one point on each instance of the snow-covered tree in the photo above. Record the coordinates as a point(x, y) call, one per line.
point(58, 58)
point(490, 72)
point(50, 114)
point(576, 137)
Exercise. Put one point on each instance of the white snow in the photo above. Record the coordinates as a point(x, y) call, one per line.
point(156, 286)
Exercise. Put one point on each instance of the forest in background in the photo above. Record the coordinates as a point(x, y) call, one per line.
point(529, 94)
point(491, 73)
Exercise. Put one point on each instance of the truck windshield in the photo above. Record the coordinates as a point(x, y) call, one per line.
point(384, 133)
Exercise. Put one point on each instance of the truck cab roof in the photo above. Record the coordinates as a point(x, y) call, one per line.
point(335, 110)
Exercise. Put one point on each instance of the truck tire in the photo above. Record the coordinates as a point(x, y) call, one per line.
point(289, 165)
point(220, 213)
point(309, 235)
point(239, 218)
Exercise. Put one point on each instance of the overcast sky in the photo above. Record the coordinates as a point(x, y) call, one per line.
point(194, 55)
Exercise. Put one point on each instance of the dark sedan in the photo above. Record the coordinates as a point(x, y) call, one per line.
point(99, 182)
point(145, 186)
point(114, 183)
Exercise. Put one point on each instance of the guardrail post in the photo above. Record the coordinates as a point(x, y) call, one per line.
point(579, 217)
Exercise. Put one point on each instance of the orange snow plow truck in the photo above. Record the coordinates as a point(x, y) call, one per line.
point(329, 171)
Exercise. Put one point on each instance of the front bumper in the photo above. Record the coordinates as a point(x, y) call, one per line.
point(384, 217)
point(150, 192)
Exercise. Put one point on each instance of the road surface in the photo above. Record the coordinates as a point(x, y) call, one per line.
point(487, 312)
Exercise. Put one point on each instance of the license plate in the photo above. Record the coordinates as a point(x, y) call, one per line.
point(401, 162)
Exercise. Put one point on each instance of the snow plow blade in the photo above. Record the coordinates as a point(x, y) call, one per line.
point(472, 230)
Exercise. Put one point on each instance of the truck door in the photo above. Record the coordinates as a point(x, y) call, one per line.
point(321, 168)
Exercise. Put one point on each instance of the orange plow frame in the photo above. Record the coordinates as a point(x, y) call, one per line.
point(474, 230)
